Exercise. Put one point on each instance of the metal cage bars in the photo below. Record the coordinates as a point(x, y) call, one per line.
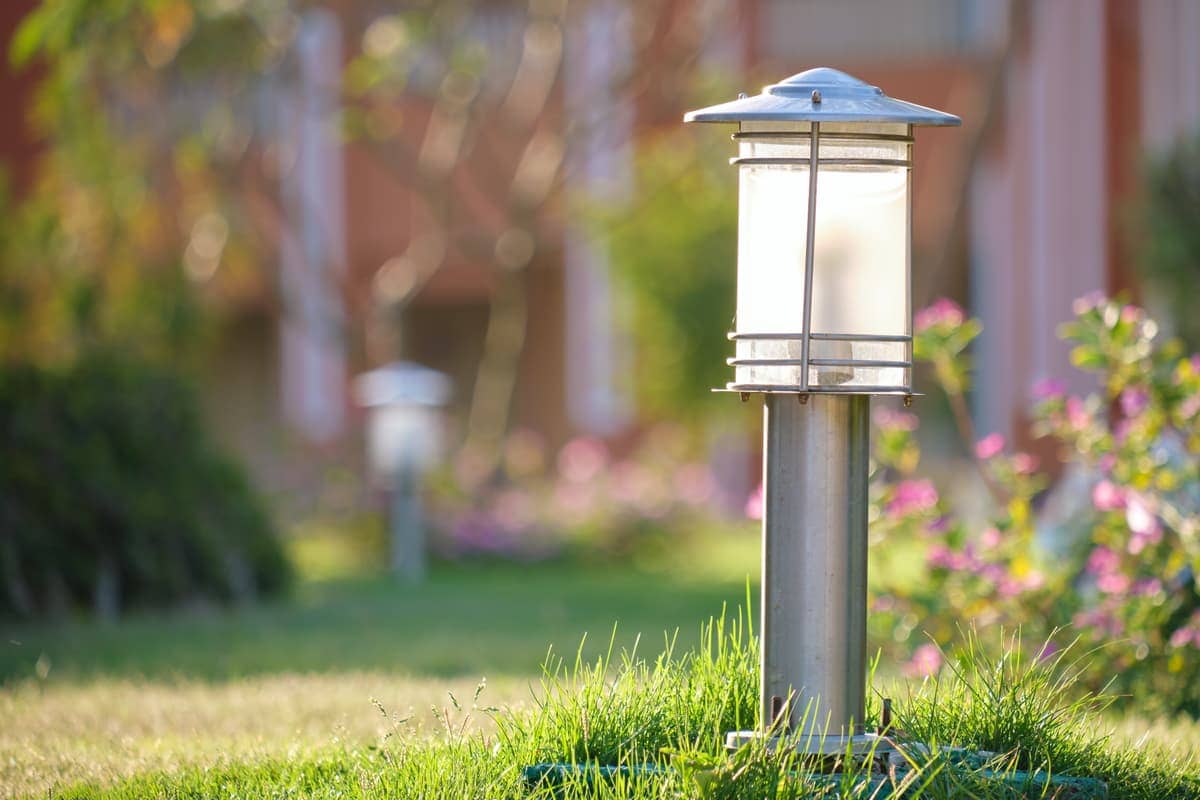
point(814, 162)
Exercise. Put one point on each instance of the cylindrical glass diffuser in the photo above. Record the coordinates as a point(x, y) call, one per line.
point(860, 337)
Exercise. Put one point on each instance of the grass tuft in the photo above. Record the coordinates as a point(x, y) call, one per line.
point(1030, 710)
point(671, 712)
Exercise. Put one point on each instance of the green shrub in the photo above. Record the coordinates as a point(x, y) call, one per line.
point(1120, 569)
point(112, 496)
point(1169, 256)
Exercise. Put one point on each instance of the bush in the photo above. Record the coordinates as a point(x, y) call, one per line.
point(1169, 258)
point(1122, 572)
point(112, 496)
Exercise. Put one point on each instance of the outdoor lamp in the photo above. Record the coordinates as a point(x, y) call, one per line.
point(824, 313)
point(404, 440)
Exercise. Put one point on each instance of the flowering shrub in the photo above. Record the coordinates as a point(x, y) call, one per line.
point(582, 502)
point(1123, 573)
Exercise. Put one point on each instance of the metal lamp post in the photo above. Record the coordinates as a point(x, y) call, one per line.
point(404, 402)
point(824, 321)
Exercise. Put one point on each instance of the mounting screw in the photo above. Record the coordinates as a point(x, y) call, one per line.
point(816, 97)
point(908, 401)
point(803, 398)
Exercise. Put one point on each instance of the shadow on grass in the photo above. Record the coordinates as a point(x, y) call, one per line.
point(465, 620)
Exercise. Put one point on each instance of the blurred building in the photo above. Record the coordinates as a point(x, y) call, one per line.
point(1085, 90)
point(1018, 212)
point(626, 69)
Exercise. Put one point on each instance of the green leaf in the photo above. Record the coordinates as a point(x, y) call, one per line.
point(29, 38)
point(1088, 358)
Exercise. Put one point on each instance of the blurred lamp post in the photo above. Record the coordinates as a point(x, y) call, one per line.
point(404, 439)
point(824, 321)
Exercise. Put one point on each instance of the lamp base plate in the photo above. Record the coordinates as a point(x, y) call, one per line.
point(863, 744)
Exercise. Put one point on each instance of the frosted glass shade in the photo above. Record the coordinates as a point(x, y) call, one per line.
point(861, 313)
point(402, 436)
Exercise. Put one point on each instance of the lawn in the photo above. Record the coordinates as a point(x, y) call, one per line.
point(362, 687)
point(85, 701)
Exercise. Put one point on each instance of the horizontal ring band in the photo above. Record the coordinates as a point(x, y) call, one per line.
point(798, 389)
point(816, 362)
point(833, 162)
point(822, 337)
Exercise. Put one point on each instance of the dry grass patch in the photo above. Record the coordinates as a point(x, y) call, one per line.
point(108, 731)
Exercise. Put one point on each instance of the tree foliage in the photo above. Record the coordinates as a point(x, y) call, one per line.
point(150, 144)
point(675, 253)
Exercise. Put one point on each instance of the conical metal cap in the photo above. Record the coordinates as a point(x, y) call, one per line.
point(822, 95)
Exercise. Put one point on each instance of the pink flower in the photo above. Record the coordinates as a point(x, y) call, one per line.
point(941, 557)
point(993, 572)
point(1107, 496)
point(911, 497)
point(1188, 632)
point(891, 419)
point(990, 538)
point(1190, 406)
point(989, 446)
point(1024, 463)
point(1091, 300)
point(754, 503)
point(1131, 313)
point(939, 525)
point(1049, 389)
point(1137, 543)
point(476, 531)
point(1101, 620)
point(925, 661)
point(1134, 401)
point(582, 459)
point(1077, 414)
point(942, 312)
point(1147, 587)
point(1102, 561)
point(1113, 583)
point(1008, 587)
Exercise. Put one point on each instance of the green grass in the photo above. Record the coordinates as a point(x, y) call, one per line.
point(161, 692)
point(362, 688)
point(465, 621)
point(670, 711)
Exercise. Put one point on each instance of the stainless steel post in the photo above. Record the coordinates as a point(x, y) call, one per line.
point(814, 590)
point(407, 523)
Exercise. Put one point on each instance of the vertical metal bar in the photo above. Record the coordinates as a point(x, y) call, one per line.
point(908, 221)
point(814, 149)
point(814, 591)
